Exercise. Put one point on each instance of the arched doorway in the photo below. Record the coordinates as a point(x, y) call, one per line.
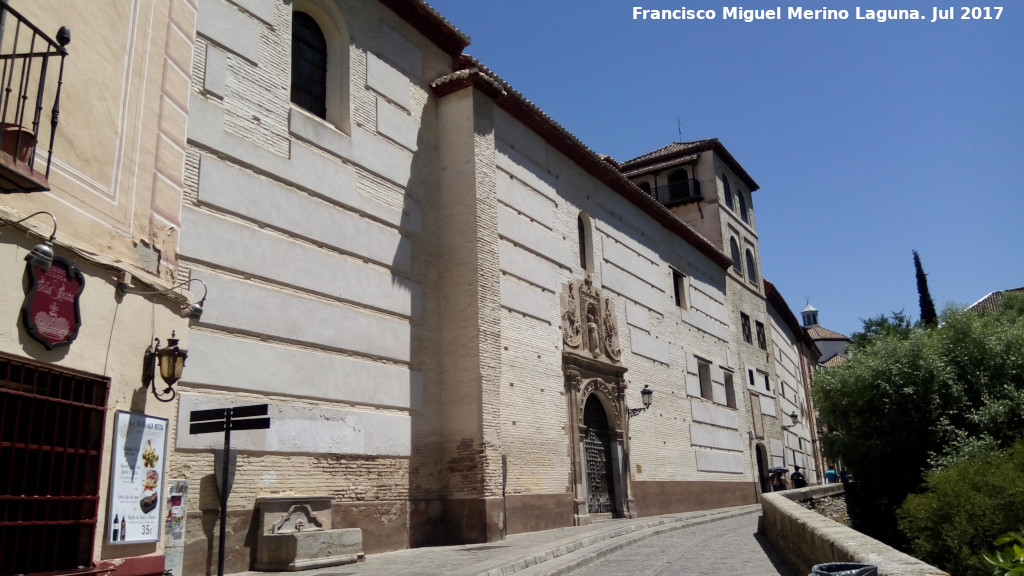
point(597, 445)
point(762, 467)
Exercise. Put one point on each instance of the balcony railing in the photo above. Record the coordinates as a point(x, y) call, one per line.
point(25, 54)
point(677, 193)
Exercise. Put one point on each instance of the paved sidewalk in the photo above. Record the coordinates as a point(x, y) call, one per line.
point(546, 553)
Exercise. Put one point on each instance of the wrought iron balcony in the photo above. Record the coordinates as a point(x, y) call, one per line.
point(25, 54)
point(677, 193)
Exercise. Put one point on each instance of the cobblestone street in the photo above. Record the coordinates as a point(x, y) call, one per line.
point(726, 547)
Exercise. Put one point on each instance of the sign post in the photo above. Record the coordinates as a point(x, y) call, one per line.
point(225, 420)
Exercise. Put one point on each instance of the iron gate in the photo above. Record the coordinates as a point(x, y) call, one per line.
point(598, 449)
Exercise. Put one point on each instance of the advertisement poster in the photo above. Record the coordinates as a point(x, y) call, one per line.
point(174, 527)
point(136, 478)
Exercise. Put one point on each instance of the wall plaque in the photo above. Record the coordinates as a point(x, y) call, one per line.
point(50, 313)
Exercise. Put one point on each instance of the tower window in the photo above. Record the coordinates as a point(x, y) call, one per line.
point(737, 262)
point(745, 327)
point(728, 192)
point(743, 206)
point(751, 268)
point(762, 342)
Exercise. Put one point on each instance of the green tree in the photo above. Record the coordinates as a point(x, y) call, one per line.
point(964, 508)
point(912, 399)
point(928, 315)
point(897, 326)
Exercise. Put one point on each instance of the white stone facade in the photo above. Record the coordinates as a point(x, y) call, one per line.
point(399, 281)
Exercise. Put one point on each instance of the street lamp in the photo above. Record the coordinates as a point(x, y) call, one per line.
point(170, 359)
point(645, 396)
point(194, 310)
point(794, 418)
point(42, 255)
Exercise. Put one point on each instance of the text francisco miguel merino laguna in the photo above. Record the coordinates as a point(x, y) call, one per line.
point(825, 13)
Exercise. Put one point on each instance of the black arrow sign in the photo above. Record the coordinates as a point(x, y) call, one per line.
point(225, 420)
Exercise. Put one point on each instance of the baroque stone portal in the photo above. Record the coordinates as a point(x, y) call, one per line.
point(595, 387)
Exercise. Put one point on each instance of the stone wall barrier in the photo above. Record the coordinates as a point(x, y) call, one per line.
point(806, 538)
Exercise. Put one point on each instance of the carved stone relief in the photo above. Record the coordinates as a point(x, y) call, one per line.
point(589, 325)
point(298, 518)
point(610, 391)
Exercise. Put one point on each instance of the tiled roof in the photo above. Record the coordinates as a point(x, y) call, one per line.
point(431, 24)
point(821, 333)
point(672, 150)
point(662, 166)
point(991, 302)
point(470, 72)
point(663, 158)
point(834, 360)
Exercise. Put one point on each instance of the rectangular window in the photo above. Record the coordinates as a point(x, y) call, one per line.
point(750, 379)
point(755, 413)
point(767, 385)
point(745, 326)
point(51, 446)
point(730, 391)
point(679, 287)
point(762, 343)
point(704, 371)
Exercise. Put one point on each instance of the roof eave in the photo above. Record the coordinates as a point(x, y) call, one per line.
point(431, 24)
point(471, 73)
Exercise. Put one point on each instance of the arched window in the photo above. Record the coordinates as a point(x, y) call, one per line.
point(751, 268)
point(737, 262)
point(743, 206)
point(645, 186)
point(585, 236)
point(678, 185)
point(728, 192)
point(320, 62)
point(309, 65)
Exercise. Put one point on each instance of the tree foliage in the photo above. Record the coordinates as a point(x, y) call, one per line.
point(912, 398)
point(928, 315)
point(897, 325)
point(964, 508)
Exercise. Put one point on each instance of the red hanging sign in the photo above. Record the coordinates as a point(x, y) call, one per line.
point(50, 312)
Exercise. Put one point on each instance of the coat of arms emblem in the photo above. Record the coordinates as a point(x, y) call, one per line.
point(50, 312)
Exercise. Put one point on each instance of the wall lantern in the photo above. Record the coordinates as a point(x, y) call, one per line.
point(192, 312)
point(794, 418)
point(171, 361)
point(645, 395)
point(42, 255)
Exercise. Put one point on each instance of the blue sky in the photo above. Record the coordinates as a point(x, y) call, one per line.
point(868, 139)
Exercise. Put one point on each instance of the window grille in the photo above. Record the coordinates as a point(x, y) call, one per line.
point(51, 444)
point(309, 65)
point(745, 327)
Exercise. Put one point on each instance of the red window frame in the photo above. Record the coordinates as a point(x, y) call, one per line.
point(51, 446)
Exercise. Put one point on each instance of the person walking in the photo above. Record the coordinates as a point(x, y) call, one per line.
point(798, 478)
point(830, 475)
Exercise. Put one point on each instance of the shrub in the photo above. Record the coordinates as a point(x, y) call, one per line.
point(964, 508)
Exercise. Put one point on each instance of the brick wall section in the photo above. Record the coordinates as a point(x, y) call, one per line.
point(469, 284)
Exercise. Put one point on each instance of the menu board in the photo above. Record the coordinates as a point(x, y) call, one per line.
point(136, 478)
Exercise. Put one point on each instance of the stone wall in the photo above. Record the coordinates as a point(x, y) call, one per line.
point(807, 538)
